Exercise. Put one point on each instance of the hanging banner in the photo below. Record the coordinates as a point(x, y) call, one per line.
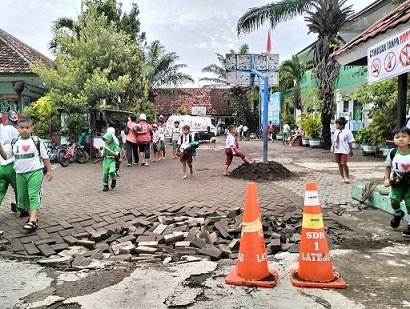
point(274, 108)
point(390, 57)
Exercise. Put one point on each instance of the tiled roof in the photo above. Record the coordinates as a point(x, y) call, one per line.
point(211, 98)
point(398, 16)
point(16, 56)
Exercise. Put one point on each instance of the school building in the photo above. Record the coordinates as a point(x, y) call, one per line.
point(350, 76)
point(19, 86)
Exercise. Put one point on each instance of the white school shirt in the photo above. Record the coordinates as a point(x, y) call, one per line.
point(286, 128)
point(26, 157)
point(400, 164)
point(156, 136)
point(7, 134)
point(230, 141)
point(161, 131)
point(345, 137)
point(185, 142)
point(176, 134)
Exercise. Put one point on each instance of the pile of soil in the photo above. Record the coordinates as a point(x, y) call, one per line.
point(262, 171)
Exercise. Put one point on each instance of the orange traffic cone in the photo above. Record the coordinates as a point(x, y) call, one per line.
point(315, 268)
point(252, 266)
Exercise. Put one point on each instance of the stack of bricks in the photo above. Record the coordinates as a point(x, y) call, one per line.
point(145, 234)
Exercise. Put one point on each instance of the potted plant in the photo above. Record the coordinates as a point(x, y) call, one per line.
point(279, 136)
point(311, 126)
point(364, 137)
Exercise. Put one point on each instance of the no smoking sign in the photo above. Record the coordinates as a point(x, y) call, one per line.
point(405, 55)
point(376, 66)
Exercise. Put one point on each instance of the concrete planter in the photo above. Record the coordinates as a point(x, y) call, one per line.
point(314, 142)
point(305, 142)
point(386, 149)
point(356, 145)
point(369, 149)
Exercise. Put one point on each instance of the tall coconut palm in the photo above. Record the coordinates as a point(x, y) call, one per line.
point(162, 70)
point(325, 18)
point(295, 70)
point(219, 69)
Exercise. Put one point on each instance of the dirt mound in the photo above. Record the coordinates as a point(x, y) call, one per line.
point(262, 171)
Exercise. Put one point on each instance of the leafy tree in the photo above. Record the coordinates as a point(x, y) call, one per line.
point(162, 70)
point(295, 70)
point(219, 70)
point(244, 101)
point(45, 116)
point(92, 68)
point(325, 18)
point(128, 23)
point(75, 123)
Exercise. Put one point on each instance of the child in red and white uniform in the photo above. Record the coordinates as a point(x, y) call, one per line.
point(231, 149)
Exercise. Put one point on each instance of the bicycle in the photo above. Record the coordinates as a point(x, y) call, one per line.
point(71, 154)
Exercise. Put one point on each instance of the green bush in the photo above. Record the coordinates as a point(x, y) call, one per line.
point(311, 125)
point(75, 124)
point(45, 116)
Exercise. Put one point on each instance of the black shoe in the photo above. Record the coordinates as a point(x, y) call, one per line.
point(13, 207)
point(395, 222)
point(1, 233)
point(113, 183)
point(105, 188)
point(23, 214)
point(406, 232)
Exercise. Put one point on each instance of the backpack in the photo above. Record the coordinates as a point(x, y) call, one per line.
point(36, 142)
point(393, 153)
point(126, 130)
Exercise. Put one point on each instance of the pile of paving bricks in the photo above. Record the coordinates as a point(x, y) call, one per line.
point(139, 235)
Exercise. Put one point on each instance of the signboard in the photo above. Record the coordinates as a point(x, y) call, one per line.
point(274, 109)
point(198, 110)
point(390, 57)
point(238, 68)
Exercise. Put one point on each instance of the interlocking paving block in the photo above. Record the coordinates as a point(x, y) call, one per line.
point(45, 241)
point(59, 247)
point(71, 240)
point(31, 249)
point(46, 250)
point(53, 229)
point(86, 243)
point(66, 232)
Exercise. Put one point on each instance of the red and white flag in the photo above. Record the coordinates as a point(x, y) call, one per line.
point(268, 43)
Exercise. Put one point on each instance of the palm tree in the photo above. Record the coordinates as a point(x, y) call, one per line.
point(162, 70)
point(219, 69)
point(296, 70)
point(325, 18)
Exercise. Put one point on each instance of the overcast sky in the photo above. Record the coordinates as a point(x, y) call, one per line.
point(194, 29)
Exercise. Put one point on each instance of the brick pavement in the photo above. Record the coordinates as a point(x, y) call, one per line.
point(74, 205)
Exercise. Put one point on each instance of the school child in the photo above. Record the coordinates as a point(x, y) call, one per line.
point(30, 157)
point(8, 132)
point(156, 140)
point(342, 147)
point(186, 147)
point(162, 130)
point(231, 149)
point(176, 135)
point(110, 152)
point(118, 158)
point(398, 161)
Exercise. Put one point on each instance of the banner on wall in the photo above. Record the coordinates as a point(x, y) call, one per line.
point(390, 57)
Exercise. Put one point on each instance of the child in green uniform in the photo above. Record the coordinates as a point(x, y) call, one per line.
point(398, 161)
point(110, 152)
point(30, 156)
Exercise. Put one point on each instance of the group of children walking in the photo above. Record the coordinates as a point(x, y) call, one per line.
point(24, 162)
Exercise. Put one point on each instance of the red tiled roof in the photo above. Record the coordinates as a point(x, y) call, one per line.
point(398, 16)
point(16, 56)
point(211, 98)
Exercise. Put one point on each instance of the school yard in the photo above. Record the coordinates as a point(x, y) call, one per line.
point(372, 257)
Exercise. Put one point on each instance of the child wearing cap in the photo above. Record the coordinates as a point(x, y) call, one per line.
point(156, 141)
point(342, 147)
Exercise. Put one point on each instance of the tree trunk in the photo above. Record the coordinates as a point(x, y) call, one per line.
point(326, 134)
point(327, 71)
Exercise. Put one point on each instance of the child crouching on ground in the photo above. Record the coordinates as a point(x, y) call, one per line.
point(110, 152)
point(30, 156)
point(231, 149)
point(186, 149)
point(398, 161)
